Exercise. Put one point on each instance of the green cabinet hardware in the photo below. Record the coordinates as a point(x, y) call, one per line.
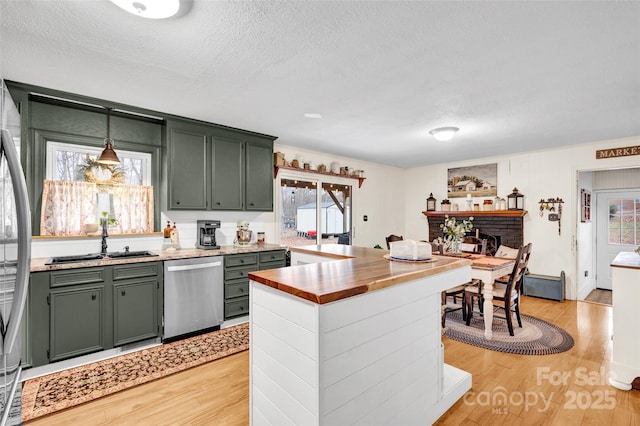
point(236, 278)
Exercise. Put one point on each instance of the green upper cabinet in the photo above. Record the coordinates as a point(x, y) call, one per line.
point(228, 179)
point(214, 168)
point(187, 168)
point(259, 177)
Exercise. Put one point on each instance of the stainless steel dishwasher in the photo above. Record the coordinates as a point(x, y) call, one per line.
point(193, 295)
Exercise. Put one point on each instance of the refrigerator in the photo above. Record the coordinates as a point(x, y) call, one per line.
point(15, 259)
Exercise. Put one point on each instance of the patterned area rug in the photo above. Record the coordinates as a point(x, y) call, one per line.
point(54, 392)
point(536, 337)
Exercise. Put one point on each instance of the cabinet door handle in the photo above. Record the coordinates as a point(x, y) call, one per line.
point(177, 203)
point(241, 260)
point(251, 204)
point(217, 203)
point(93, 297)
point(123, 293)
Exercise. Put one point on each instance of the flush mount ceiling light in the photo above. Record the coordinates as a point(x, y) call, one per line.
point(312, 115)
point(153, 9)
point(444, 134)
point(108, 155)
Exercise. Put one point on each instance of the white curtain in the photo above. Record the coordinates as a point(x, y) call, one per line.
point(66, 206)
point(133, 205)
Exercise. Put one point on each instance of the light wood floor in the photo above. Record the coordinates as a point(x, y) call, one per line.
point(217, 393)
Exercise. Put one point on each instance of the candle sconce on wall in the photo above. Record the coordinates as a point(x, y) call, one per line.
point(554, 207)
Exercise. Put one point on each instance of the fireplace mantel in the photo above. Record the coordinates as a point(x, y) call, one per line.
point(496, 213)
point(506, 226)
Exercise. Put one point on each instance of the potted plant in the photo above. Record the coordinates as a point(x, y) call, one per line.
point(110, 221)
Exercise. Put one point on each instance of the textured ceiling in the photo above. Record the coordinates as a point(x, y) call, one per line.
point(513, 76)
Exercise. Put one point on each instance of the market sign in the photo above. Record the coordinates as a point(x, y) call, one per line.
point(617, 152)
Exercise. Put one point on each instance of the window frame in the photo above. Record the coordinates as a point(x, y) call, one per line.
point(320, 179)
point(54, 146)
point(41, 138)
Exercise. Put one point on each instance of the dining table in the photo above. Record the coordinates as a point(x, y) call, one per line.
point(487, 269)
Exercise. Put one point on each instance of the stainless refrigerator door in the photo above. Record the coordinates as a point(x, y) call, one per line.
point(15, 259)
point(10, 319)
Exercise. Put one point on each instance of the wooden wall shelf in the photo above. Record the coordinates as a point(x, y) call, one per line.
point(276, 169)
point(494, 213)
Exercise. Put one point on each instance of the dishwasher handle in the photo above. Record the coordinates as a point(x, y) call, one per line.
point(195, 266)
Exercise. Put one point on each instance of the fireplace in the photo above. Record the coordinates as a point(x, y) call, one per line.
point(498, 227)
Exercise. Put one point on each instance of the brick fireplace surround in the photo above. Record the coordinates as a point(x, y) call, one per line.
point(508, 225)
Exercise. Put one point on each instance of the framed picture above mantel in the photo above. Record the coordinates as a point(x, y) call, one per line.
point(479, 181)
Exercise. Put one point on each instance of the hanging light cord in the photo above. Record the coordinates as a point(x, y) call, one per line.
point(108, 125)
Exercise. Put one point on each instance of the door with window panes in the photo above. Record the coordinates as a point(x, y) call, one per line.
point(314, 211)
point(617, 229)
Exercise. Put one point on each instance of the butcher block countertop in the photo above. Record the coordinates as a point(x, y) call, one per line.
point(627, 259)
point(357, 270)
point(38, 264)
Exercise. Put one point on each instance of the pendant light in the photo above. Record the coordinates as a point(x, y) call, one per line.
point(108, 155)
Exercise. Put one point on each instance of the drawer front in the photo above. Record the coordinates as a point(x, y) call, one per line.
point(272, 256)
point(236, 289)
point(240, 260)
point(236, 307)
point(235, 273)
point(273, 265)
point(135, 270)
point(76, 276)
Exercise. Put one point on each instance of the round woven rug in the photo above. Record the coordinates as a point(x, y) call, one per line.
point(536, 337)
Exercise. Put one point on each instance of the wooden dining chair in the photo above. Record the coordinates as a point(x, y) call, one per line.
point(476, 245)
point(391, 238)
point(506, 294)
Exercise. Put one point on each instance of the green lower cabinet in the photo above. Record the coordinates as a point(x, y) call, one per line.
point(77, 318)
point(237, 268)
point(135, 311)
point(75, 312)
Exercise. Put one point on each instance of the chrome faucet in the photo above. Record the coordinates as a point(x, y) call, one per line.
point(105, 234)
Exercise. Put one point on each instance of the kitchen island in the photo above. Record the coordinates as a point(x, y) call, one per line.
point(625, 357)
point(351, 339)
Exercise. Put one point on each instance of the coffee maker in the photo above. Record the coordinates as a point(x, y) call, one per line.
point(207, 234)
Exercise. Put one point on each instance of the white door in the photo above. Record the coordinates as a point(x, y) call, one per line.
point(617, 229)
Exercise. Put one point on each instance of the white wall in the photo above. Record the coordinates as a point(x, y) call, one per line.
point(538, 175)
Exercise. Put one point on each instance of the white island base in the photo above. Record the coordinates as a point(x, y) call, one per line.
point(374, 358)
point(625, 356)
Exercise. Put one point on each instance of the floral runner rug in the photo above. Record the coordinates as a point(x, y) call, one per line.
point(47, 394)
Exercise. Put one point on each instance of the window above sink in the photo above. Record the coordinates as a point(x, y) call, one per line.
point(79, 192)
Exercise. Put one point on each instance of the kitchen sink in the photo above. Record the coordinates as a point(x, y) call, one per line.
point(98, 256)
point(127, 254)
